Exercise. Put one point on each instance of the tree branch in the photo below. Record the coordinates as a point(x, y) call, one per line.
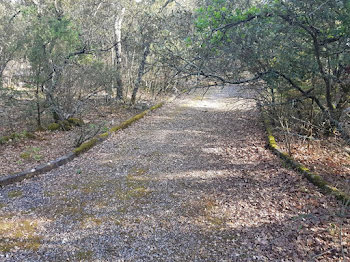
point(249, 18)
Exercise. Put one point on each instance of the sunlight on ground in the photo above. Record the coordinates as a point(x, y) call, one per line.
point(213, 150)
point(208, 104)
point(19, 234)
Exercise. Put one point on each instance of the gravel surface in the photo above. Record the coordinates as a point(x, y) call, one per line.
point(189, 182)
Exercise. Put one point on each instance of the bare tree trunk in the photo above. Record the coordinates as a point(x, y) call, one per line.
point(49, 91)
point(118, 53)
point(38, 108)
point(140, 73)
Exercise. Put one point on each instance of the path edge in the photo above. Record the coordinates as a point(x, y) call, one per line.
point(314, 178)
point(44, 168)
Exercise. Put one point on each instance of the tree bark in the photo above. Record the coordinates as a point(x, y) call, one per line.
point(140, 72)
point(118, 53)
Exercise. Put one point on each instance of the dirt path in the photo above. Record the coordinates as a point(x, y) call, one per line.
point(190, 182)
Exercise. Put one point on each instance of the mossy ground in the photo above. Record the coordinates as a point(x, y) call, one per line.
point(15, 193)
point(91, 221)
point(205, 212)
point(18, 234)
point(130, 191)
point(65, 125)
point(135, 185)
point(17, 137)
point(76, 121)
point(25, 155)
point(31, 153)
point(53, 127)
point(84, 255)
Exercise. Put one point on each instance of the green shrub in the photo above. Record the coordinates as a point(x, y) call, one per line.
point(76, 121)
point(54, 127)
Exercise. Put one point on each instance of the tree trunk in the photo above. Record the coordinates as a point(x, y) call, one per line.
point(140, 73)
point(38, 109)
point(118, 53)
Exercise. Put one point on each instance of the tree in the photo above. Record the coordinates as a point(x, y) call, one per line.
point(302, 44)
point(69, 51)
point(11, 37)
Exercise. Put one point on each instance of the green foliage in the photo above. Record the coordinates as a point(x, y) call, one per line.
point(25, 155)
point(31, 153)
point(16, 137)
point(296, 47)
point(53, 127)
point(76, 121)
point(4, 139)
point(65, 124)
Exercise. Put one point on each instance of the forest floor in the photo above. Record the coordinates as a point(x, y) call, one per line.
point(23, 153)
point(325, 156)
point(192, 181)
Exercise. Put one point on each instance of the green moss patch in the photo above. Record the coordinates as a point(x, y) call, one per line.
point(135, 185)
point(104, 135)
point(86, 146)
point(216, 221)
point(53, 127)
point(156, 106)
point(128, 122)
point(65, 125)
point(4, 139)
point(84, 255)
point(30, 135)
point(15, 193)
point(16, 137)
point(25, 155)
point(31, 153)
point(18, 234)
point(76, 121)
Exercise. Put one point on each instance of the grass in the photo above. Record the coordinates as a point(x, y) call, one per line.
point(31, 153)
point(25, 155)
point(17, 137)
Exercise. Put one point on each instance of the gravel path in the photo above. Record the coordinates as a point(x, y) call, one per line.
point(189, 182)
